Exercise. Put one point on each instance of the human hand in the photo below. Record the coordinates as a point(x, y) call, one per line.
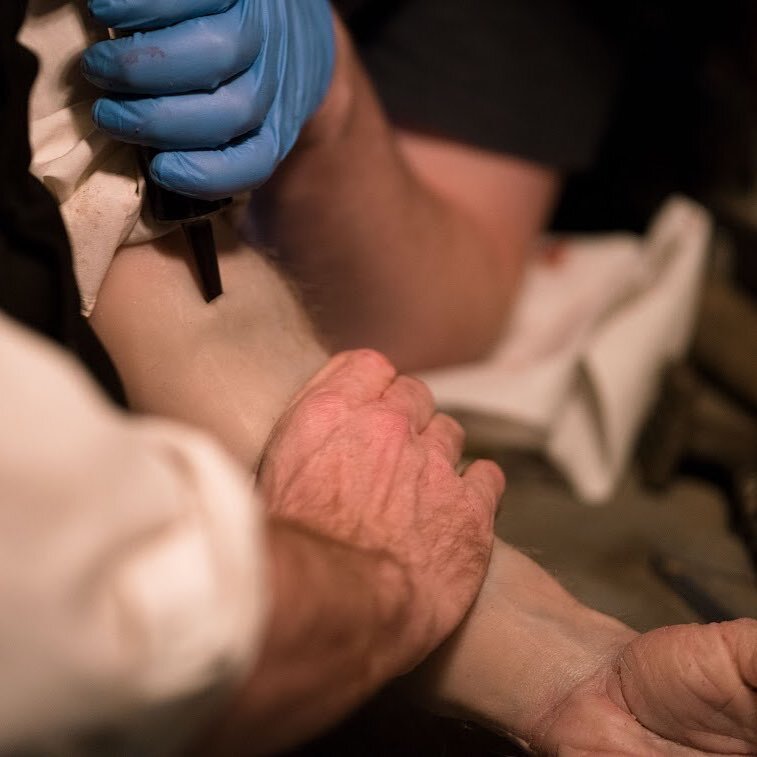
point(361, 457)
point(531, 661)
point(223, 86)
point(676, 690)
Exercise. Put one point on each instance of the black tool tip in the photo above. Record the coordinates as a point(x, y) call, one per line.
point(200, 237)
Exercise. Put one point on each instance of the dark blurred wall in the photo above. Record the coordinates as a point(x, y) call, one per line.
point(685, 114)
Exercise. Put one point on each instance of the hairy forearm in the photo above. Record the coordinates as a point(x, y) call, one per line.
point(335, 614)
point(386, 258)
point(524, 645)
point(229, 367)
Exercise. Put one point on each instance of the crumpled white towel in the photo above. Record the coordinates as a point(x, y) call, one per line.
point(577, 370)
point(95, 180)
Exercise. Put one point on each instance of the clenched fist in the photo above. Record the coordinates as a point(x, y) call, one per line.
point(362, 457)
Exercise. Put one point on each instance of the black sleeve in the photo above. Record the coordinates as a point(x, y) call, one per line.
point(533, 78)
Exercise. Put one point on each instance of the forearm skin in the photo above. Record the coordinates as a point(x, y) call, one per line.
point(386, 259)
point(162, 334)
point(524, 645)
point(229, 367)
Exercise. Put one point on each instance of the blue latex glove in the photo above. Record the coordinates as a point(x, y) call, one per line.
point(223, 86)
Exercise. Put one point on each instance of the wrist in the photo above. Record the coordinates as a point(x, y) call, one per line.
point(525, 644)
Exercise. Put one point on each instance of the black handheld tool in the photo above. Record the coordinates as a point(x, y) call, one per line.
point(193, 215)
point(195, 218)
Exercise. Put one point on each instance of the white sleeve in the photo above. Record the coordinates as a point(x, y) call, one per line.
point(131, 566)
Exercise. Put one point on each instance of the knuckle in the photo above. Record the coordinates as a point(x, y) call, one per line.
point(223, 50)
point(123, 70)
point(392, 423)
point(438, 459)
point(438, 477)
point(326, 402)
point(316, 416)
point(421, 389)
point(485, 507)
point(451, 426)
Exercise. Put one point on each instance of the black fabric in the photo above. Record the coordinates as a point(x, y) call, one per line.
point(634, 101)
point(37, 285)
point(685, 116)
point(532, 78)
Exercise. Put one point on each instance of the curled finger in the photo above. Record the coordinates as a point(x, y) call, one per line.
point(151, 14)
point(486, 481)
point(198, 54)
point(411, 398)
point(199, 120)
point(446, 435)
point(357, 376)
point(213, 174)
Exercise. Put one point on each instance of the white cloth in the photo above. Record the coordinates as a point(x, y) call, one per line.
point(132, 586)
point(95, 180)
point(576, 372)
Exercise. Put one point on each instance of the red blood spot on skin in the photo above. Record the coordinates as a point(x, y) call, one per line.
point(133, 56)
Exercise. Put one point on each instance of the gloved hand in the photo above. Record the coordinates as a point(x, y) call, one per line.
point(222, 86)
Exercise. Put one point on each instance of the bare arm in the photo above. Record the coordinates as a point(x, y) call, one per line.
point(328, 644)
point(357, 465)
point(406, 243)
point(534, 663)
point(230, 367)
point(529, 659)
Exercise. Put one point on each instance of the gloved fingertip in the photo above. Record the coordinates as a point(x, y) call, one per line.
point(104, 115)
point(170, 171)
point(91, 69)
point(85, 64)
point(162, 173)
point(95, 113)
